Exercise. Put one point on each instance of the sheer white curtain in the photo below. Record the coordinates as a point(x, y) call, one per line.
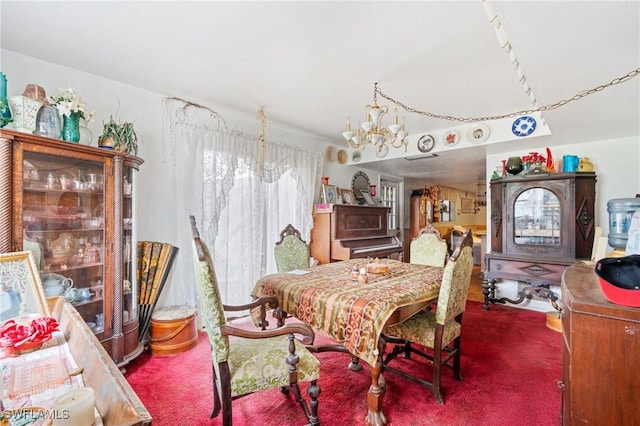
point(239, 209)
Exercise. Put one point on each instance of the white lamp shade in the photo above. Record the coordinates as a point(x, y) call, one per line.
point(348, 135)
point(367, 126)
point(375, 113)
point(395, 128)
point(377, 138)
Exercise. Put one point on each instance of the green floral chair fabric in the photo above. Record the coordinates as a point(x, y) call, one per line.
point(428, 248)
point(291, 252)
point(246, 361)
point(436, 330)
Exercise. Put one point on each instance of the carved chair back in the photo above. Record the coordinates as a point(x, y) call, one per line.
point(428, 248)
point(455, 281)
point(291, 252)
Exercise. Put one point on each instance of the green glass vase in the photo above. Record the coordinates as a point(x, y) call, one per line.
point(5, 111)
point(71, 127)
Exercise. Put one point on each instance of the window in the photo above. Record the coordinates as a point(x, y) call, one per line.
point(390, 196)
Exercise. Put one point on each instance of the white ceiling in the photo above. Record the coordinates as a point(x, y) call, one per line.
point(312, 64)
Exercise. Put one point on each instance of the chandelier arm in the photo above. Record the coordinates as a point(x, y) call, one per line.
point(548, 107)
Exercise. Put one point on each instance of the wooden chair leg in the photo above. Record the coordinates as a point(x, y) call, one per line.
point(456, 359)
point(216, 397)
point(407, 350)
point(313, 390)
point(225, 379)
point(437, 365)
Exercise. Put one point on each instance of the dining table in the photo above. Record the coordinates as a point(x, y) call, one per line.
point(352, 312)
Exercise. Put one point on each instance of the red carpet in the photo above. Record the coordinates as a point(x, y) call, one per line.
point(511, 363)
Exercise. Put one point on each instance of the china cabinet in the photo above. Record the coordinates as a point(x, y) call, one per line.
point(420, 213)
point(540, 224)
point(72, 206)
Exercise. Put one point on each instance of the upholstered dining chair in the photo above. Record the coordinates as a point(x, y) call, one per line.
point(247, 360)
point(456, 233)
point(291, 252)
point(436, 330)
point(428, 247)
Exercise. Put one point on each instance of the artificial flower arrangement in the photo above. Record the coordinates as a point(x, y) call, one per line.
point(68, 102)
point(533, 158)
point(21, 338)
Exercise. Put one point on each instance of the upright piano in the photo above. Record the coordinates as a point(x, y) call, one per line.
point(351, 231)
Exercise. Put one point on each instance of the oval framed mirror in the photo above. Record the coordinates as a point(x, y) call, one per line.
point(360, 182)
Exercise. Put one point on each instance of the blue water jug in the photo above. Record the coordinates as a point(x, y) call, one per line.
point(570, 163)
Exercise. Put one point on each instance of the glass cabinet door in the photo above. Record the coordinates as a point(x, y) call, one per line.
point(63, 217)
point(129, 268)
point(537, 221)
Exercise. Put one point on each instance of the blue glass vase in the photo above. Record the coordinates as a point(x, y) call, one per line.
point(71, 127)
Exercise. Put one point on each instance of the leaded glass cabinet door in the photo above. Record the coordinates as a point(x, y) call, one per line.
point(130, 288)
point(63, 223)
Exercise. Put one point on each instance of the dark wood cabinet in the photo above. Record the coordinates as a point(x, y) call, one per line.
point(540, 224)
point(600, 355)
point(420, 213)
point(71, 205)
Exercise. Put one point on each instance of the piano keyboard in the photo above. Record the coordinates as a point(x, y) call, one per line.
point(374, 248)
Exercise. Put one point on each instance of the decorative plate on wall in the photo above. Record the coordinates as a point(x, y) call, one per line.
point(478, 133)
point(330, 154)
point(342, 156)
point(451, 138)
point(426, 143)
point(356, 156)
point(523, 126)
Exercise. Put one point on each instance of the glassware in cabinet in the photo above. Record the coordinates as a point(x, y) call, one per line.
point(63, 218)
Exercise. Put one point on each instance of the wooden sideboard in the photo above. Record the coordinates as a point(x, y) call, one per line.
point(601, 354)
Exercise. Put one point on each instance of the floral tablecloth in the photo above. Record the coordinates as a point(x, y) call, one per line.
point(353, 314)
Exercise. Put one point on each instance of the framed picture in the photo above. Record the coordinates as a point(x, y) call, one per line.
point(330, 194)
point(348, 197)
point(368, 198)
point(466, 205)
point(21, 290)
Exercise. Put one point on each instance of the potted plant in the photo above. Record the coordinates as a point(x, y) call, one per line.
point(120, 136)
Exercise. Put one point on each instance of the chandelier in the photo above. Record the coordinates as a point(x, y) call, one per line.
point(372, 130)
